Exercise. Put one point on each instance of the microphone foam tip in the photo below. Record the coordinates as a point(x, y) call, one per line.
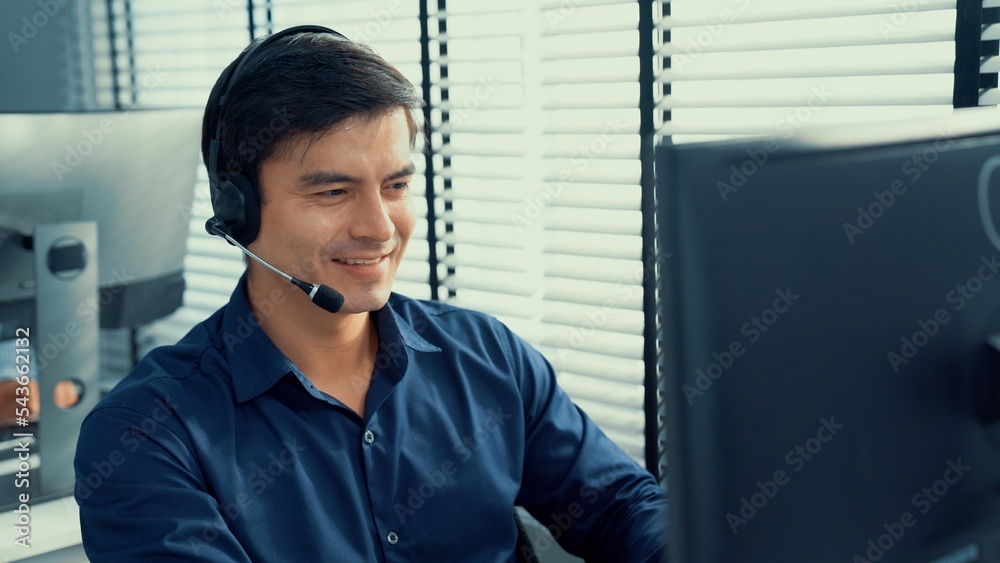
point(328, 298)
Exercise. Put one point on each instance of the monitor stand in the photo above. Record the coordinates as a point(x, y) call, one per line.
point(63, 345)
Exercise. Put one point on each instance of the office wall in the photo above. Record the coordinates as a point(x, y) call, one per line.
point(45, 56)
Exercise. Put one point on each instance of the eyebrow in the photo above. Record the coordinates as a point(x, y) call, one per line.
point(325, 177)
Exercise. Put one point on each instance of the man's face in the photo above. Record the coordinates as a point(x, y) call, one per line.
point(339, 210)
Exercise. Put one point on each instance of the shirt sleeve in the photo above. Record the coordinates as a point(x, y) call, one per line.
point(594, 499)
point(141, 494)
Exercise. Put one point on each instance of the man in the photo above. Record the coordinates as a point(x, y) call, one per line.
point(391, 430)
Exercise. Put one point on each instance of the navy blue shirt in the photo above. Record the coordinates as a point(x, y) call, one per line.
point(218, 448)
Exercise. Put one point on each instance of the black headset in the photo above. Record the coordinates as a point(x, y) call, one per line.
point(234, 201)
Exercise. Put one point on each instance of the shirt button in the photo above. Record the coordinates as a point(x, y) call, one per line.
point(392, 538)
point(369, 438)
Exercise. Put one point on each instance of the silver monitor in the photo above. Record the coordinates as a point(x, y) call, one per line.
point(132, 172)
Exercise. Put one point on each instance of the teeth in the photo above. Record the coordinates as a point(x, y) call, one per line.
point(352, 261)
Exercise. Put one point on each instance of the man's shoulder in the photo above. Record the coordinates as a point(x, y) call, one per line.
point(194, 367)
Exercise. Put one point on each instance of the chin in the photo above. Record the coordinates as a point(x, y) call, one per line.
point(365, 301)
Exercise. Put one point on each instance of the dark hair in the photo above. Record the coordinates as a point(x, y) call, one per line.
point(298, 88)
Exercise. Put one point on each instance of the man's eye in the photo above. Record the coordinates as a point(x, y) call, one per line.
point(400, 185)
point(331, 193)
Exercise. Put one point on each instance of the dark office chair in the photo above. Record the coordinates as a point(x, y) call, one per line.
point(524, 551)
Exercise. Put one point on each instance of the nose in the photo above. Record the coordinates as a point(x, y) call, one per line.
point(371, 220)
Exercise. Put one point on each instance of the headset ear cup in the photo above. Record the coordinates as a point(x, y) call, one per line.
point(237, 205)
point(251, 210)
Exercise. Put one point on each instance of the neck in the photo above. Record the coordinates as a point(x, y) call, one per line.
point(335, 351)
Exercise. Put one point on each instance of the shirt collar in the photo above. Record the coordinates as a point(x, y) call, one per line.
point(256, 364)
point(390, 323)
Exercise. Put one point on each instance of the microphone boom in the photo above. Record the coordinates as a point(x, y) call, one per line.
point(323, 296)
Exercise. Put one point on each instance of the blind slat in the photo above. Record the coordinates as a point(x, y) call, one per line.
point(810, 71)
point(817, 12)
point(768, 44)
point(792, 101)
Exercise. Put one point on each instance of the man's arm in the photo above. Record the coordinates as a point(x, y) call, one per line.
point(596, 500)
point(142, 495)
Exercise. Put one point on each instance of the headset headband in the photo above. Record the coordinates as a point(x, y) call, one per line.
point(234, 78)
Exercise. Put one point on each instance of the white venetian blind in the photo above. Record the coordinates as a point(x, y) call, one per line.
point(536, 144)
point(742, 67)
point(100, 22)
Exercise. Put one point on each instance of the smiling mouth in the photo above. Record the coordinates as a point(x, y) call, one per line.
point(359, 262)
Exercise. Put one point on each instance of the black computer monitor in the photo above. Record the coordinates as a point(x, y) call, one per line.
point(832, 391)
